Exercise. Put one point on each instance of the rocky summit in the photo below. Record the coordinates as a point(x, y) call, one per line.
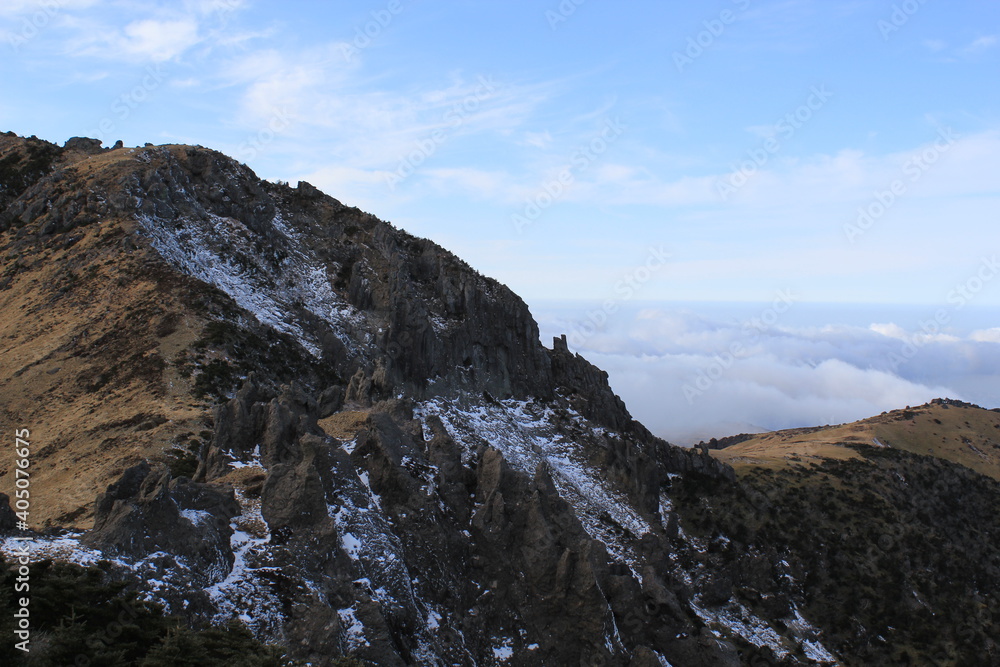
point(268, 415)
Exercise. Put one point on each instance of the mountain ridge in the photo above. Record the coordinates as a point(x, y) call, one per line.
point(949, 429)
point(298, 418)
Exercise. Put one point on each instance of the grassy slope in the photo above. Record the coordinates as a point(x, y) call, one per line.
point(87, 337)
point(894, 545)
point(107, 354)
point(967, 435)
point(891, 554)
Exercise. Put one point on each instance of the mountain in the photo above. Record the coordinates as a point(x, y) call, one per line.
point(301, 421)
point(947, 429)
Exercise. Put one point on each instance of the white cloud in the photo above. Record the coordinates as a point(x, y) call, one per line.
point(214, 6)
point(476, 182)
point(762, 131)
point(131, 32)
point(28, 8)
point(617, 173)
point(191, 82)
point(372, 132)
point(159, 41)
point(986, 335)
point(679, 373)
point(849, 176)
point(891, 330)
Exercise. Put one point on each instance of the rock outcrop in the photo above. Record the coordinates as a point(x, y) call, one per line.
point(147, 512)
point(8, 520)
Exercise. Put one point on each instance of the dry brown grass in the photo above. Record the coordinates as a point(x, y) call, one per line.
point(344, 425)
point(86, 339)
point(967, 436)
point(782, 449)
point(963, 435)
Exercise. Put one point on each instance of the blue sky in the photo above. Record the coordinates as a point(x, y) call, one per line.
point(623, 125)
point(622, 154)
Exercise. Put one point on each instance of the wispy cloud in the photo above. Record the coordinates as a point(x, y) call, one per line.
point(380, 130)
point(537, 139)
point(981, 44)
point(986, 335)
point(132, 32)
point(25, 8)
point(846, 176)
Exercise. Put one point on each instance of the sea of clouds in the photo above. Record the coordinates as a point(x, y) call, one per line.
point(692, 371)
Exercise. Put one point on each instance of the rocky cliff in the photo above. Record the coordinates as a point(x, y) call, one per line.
point(295, 415)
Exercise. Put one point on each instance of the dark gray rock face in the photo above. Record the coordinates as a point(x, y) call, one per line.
point(426, 547)
point(293, 497)
point(588, 388)
point(694, 461)
point(8, 520)
point(146, 512)
point(84, 145)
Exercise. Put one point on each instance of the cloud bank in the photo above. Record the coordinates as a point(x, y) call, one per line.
point(696, 371)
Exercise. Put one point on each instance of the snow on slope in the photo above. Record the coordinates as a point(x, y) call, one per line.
point(222, 253)
point(245, 592)
point(366, 535)
point(526, 435)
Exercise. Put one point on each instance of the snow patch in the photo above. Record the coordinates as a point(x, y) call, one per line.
point(354, 629)
point(504, 652)
point(738, 620)
point(527, 434)
point(274, 293)
point(351, 545)
point(196, 517)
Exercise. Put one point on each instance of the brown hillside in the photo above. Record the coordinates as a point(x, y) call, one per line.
point(951, 430)
point(91, 322)
point(86, 342)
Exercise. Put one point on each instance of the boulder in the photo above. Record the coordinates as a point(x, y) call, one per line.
point(146, 511)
